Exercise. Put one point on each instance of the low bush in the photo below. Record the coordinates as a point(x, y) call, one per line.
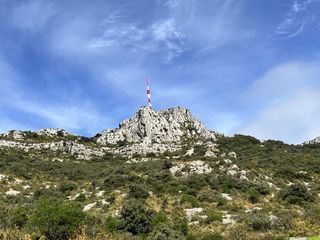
point(165, 232)
point(296, 194)
point(258, 221)
point(135, 218)
point(20, 216)
point(57, 220)
point(112, 223)
point(138, 191)
point(214, 217)
point(253, 195)
point(212, 237)
point(193, 201)
point(67, 187)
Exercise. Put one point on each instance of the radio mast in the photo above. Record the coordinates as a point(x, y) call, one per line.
point(148, 94)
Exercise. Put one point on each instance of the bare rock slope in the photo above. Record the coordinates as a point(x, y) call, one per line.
point(164, 126)
point(148, 131)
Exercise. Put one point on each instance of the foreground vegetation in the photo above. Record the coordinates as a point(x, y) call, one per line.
point(267, 190)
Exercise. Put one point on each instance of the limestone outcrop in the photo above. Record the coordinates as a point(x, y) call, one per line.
point(155, 128)
point(148, 131)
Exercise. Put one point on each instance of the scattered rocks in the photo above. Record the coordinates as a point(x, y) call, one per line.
point(232, 155)
point(53, 132)
point(100, 193)
point(190, 152)
point(15, 134)
point(89, 206)
point(193, 167)
point(226, 196)
point(12, 192)
point(192, 212)
point(228, 219)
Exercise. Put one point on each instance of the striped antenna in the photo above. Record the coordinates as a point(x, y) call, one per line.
point(148, 93)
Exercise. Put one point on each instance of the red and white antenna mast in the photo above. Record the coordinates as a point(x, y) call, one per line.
point(148, 94)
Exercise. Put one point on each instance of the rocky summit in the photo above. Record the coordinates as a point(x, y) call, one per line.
point(148, 131)
point(150, 126)
point(156, 131)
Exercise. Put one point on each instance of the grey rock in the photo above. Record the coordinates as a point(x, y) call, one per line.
point(156, 131)
point(53, 132)
point(313, 141)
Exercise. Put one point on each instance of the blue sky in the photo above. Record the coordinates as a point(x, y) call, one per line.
point(240, 66)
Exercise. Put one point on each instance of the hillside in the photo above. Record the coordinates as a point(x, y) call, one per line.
point(159, 175)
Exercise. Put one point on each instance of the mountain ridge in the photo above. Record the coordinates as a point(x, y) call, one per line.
point(148, 131)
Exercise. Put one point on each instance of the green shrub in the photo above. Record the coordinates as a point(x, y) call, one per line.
point(167, 164)
point(221, 201)
point(296, 194)
point(81, 198)
point(165, 232)
point(20, 216)
point(214, 217)
point(261, 187)
point(253, 195)
point(258, 221)
point(67, 187)
point(4, 217)
point(138, 191)
point(159, 218)
point(151, 155)
point(47, 193)
point(212, 237)
point(181, 225)
point(313, 214)
point(135, 218)
point(112, 223)
point(193, 201)
point(191, 237)
point(284, 221)
point(199, 150)
point(57, 220)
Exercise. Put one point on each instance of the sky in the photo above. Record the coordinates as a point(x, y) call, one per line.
point(240, 66)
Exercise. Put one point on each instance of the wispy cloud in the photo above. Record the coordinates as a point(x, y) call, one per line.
point(287, 97)
point(70, 112)
point(297, 19)
point(32, 15)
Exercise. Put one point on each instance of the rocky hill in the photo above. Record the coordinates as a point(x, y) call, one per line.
point(149, 131)
point(313, 141)
point(159, 175)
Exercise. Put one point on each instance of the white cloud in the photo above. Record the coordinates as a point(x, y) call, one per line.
point(288, 99)
point(32, 15)
point(165, 30)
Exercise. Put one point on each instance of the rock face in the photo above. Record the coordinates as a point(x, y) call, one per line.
point(189, 168)
point(313, 141)
point(164, 126)
point(15, 134)
point(53, 132)
point(148, 131)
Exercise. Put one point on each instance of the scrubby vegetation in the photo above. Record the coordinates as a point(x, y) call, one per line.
point(266, 190)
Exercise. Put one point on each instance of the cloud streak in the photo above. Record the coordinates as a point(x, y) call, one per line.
point(287, 99)
point(298, 18)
